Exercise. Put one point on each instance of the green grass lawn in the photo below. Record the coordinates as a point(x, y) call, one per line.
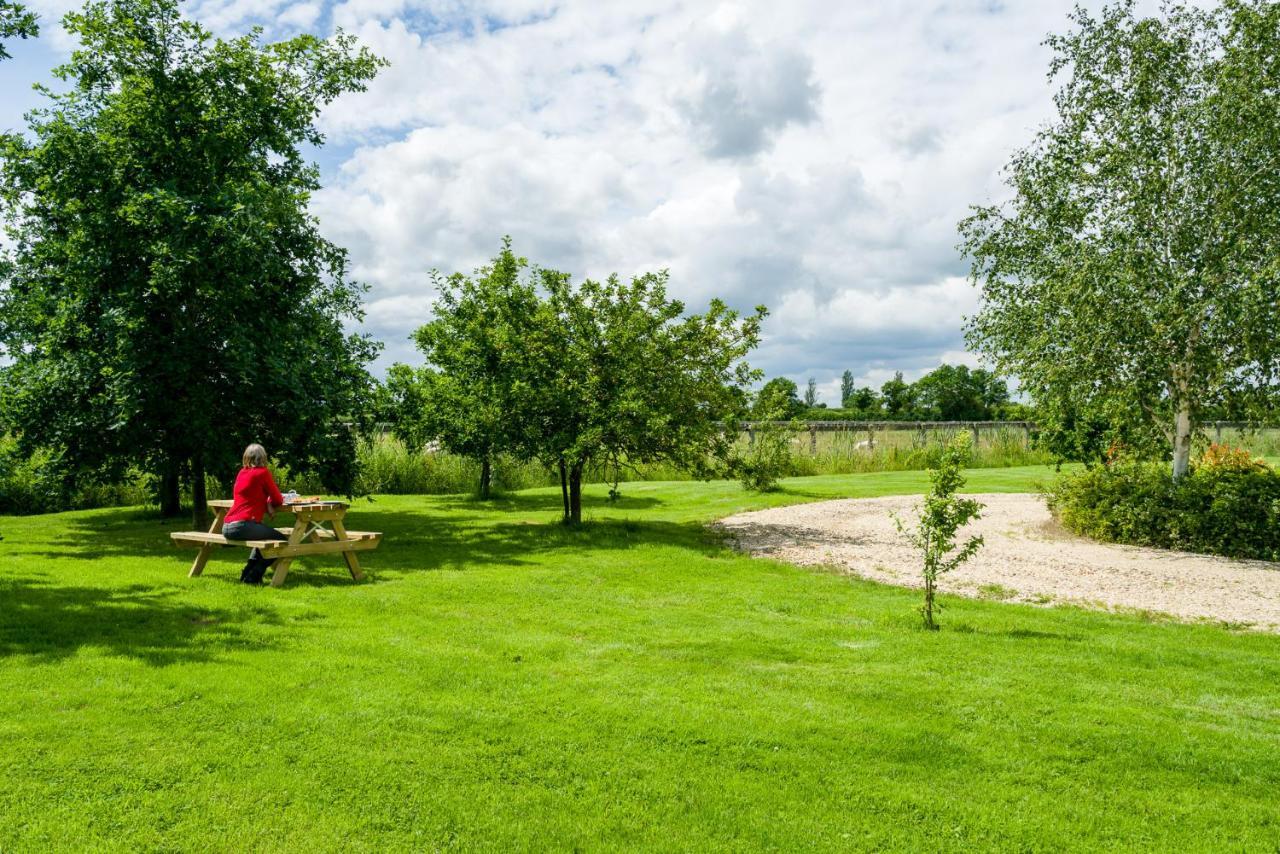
point(500, 682)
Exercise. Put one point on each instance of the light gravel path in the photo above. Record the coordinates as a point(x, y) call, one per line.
point(1027, 557)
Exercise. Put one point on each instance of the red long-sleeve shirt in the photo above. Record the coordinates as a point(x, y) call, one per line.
point(254, 488)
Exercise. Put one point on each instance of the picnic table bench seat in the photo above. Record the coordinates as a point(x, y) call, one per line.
point(201, 538)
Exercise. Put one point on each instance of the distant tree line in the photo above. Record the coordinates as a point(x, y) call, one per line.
point(947, 393)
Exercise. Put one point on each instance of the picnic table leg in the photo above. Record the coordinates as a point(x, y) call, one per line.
point(353, 563)
point(296, 536)
point(203, 557)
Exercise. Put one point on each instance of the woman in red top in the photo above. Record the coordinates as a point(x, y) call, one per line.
point(255, 495)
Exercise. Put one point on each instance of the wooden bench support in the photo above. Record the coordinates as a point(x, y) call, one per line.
point(281, 570)
point(203, 557)
point(349, 555)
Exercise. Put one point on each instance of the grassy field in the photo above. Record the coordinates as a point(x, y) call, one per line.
point(503, 683)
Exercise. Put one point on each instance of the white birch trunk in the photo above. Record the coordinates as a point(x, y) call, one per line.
point(1182, 439)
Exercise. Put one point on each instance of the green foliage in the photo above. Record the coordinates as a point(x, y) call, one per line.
point(400, 401)
point(467, 399)
point(170, 297)
point(942, 515)
point(947, 393)
point(603, 373)
point(1086, 433)
point(1224, 508)
point(778, 398)
point(956, 393)
point(1131, 280)
point(847, 390)
point(629, 378)
point(811, 394)
point(37, 483)
point(389, 467)
point(767, 457)
point(898, 398)
point(865, 402)
point(16, 21)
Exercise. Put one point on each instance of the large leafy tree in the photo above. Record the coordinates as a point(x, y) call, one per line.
point(865, 401)
point(523, 361)
point(1133, 276)
point(475, 345)
point(16, 21)
point(170, 297)
point(616, 373)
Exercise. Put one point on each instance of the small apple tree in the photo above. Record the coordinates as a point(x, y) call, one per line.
point(942, 515)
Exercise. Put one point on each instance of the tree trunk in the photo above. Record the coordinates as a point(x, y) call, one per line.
point(170, 490)
point(1182, 439)
point(199, 504)
point(575, 494)
point(564, 489)
point(486, 476)
point(929, 622)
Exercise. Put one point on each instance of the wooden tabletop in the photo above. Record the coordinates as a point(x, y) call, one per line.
point(225, 504)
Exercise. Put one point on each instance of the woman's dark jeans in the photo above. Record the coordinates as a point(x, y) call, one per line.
point(247, 529)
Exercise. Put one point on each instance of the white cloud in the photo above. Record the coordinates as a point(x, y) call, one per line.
point(300, 16)
point(811, 156)
point(854, 312)
point(743, 92)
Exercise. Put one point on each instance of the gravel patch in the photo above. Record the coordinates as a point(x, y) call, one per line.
point(1027, 558)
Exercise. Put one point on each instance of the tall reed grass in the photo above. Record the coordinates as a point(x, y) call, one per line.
point(28, 485)
point(388, 467)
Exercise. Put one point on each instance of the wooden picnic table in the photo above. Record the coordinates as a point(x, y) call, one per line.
point(317, 529)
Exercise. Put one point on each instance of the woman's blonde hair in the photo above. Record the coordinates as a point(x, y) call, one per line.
point(255, 456)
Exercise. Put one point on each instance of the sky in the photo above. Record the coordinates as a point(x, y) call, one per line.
point(813, 157)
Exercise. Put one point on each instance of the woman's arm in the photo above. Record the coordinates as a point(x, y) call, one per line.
point(273, 491)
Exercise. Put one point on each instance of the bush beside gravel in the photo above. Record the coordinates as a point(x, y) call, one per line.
point(1229, 504)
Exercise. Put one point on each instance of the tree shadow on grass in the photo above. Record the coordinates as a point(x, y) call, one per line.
point(549, 502)
point(1014, 633)
point(421, 544)
point(412, 545)
point(791, 491)
point(420, 538)
point(51, 621)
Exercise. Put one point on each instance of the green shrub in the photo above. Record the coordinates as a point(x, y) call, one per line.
point(36, 484)
point(389, 467)
point(767, 458)
point(1225, 508)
